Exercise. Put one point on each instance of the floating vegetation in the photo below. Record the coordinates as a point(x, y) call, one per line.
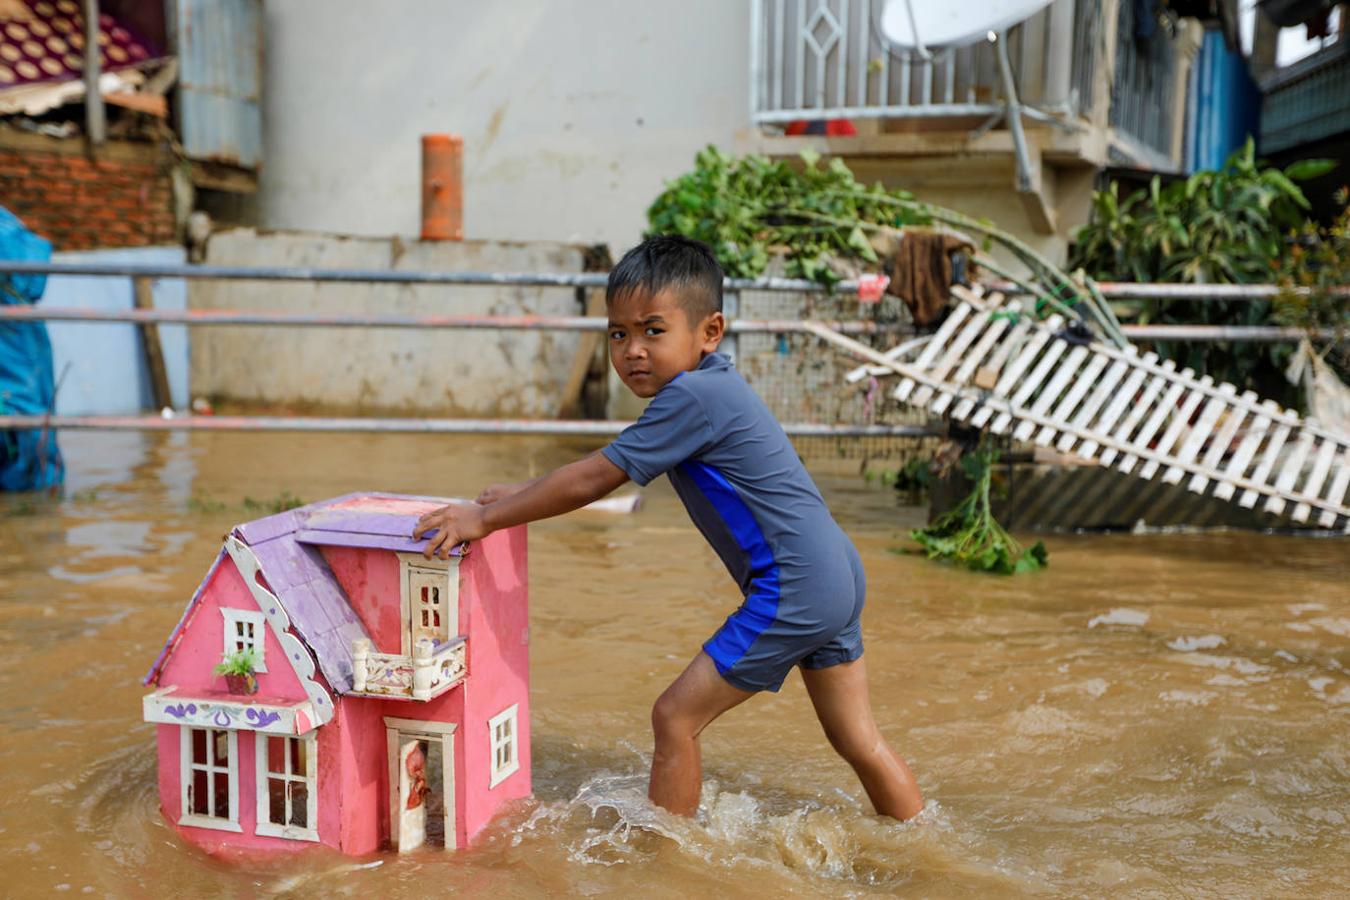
point(970, 535)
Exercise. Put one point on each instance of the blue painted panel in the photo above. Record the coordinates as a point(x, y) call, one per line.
point(100, 366)
point(220, 79)
point(1226, 108)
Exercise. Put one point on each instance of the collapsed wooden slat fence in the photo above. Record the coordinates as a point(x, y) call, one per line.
point(991, 363)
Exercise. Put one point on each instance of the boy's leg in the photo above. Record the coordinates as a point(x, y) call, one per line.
point(839, 694)
point(681, 713)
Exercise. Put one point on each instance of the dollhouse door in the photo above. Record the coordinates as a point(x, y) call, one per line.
point(412, 791)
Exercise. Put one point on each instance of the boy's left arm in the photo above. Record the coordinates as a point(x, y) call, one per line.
point(562, 490)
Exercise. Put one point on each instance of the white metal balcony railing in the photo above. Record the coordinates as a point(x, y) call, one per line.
point(827, 59)
point(432, 670)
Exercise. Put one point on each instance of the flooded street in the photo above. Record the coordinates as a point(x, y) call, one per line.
point(1152, 716)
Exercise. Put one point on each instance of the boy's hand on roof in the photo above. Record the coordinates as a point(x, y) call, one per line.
point(453, 525)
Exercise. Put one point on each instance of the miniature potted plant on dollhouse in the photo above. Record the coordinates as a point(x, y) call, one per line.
point(238, 668)
point(376, 698)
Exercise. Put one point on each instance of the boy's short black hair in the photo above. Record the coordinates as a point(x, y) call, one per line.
point(671, 262)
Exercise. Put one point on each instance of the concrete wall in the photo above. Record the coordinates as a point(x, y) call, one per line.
point(434, 372)
point(573, 114)
point(100, 366)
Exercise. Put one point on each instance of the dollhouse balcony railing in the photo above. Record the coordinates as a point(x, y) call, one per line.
point(432, 670)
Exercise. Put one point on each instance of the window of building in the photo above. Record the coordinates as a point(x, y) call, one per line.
point(244, 631)
point(210, 777)
point(502, 733)
point(287, 787)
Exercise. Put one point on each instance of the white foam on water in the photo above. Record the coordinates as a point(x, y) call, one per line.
point(1199, 642)
point(1119, 616)
point(1189, 698)
point(610, 822)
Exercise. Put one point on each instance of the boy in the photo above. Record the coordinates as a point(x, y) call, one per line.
point(744, 487)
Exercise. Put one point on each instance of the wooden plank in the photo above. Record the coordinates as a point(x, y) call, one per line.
point(1336, 495)
point(588, 344)
point(947, 362)
point(1136, 412)
point(1258, 426)
point(1315, 481)
point(1167, 406)
point(1119, 399)
point(1019, 364)
point(1081, 385)
point(144, 298)
point(1222, 440)
point(935, 346)
point(1004, 407)
point(1053, 390)
point(1181, 420)
point(980, 350)
point(1196, 437)
point(1264, 468)
point(1290, 470)
point(1028, 387)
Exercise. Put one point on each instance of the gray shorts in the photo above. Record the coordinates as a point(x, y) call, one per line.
point(809, 618)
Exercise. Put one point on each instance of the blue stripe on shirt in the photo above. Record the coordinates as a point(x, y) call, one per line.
point(760, 609)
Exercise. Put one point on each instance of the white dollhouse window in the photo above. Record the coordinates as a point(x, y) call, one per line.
point(244, 631)
point(209, 772)
point(288, 800)
point(502, 734)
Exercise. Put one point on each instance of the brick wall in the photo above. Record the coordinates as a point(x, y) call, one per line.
point(123, 199)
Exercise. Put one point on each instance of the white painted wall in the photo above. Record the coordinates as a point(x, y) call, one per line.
point(573, 112)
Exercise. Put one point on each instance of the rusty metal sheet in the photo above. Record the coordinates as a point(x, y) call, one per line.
point(220, 47)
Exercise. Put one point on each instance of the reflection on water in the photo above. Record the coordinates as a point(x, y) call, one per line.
point(1155, 715)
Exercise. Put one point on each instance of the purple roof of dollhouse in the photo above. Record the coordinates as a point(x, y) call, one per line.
point(285, 545)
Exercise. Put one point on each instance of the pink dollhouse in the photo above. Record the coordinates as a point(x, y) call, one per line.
point(392, 702)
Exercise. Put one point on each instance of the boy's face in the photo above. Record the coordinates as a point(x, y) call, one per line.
point(651, 339)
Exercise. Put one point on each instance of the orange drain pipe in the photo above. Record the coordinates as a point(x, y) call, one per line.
point(442, 187)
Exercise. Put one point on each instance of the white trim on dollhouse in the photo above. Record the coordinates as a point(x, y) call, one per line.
point(187, 766)
point(504, 740)
point(395, 730)
point(170, 706)
point(309, 778)
point(244, 631)
point(296, 654)
point(445, 572)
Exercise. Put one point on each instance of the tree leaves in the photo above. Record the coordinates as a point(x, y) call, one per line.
point(1223, 227)
point(751, 208)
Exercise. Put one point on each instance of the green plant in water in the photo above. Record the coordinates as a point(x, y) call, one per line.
point(240, 662)
point(971, 536)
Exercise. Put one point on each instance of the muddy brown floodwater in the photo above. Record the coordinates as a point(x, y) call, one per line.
point(1152, 716)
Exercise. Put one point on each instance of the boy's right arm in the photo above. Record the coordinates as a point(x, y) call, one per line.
point(562, 490)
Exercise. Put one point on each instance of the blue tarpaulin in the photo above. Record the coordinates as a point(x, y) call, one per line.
point(29, 459)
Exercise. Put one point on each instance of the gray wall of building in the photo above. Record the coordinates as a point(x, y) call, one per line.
point(429, 371)
point(573, 113)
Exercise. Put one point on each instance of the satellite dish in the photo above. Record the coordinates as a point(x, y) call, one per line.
point(951, 23)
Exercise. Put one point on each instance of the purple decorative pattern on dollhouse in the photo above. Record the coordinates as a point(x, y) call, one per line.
point(181, 710)
point(261, 718)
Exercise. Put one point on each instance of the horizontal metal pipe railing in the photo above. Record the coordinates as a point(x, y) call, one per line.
point(1112, 290)
point(583, 427)
point(359, 320)
point(1188, 333)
